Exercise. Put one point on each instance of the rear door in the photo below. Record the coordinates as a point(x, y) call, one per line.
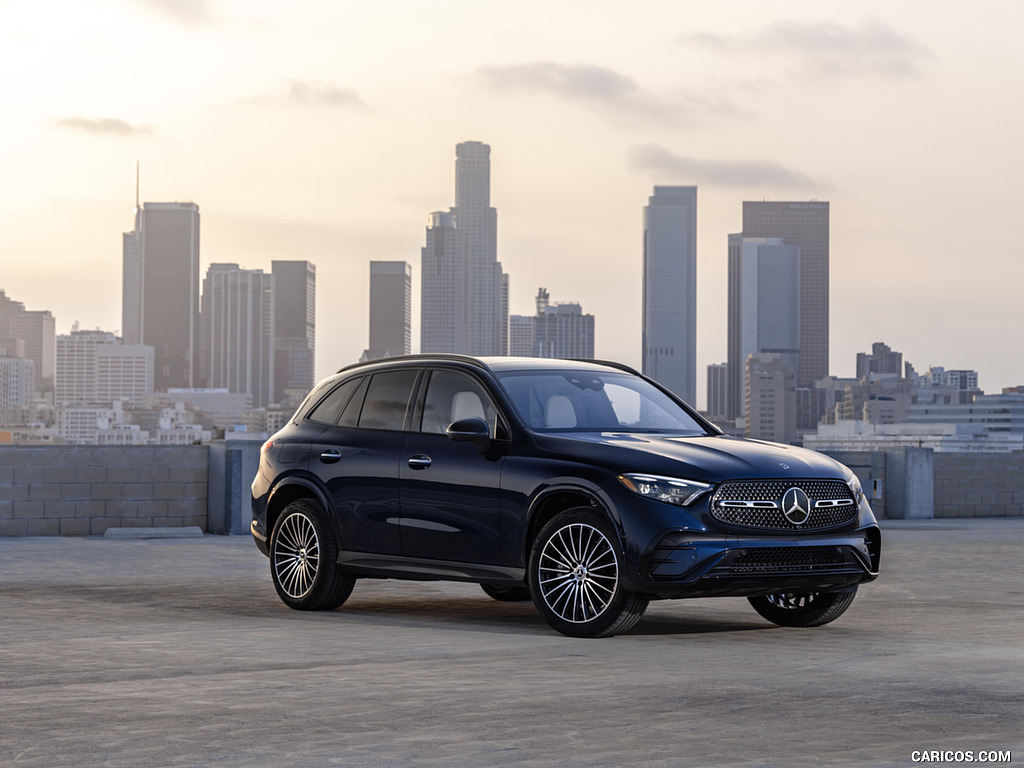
point(357, 459)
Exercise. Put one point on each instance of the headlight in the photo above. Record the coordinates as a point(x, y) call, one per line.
point(855, 489)
point(671, 489)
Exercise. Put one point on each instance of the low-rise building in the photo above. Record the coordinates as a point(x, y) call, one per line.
point(941, 438)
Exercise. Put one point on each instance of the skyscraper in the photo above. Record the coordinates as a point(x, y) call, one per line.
point(764, 308)
point(238, 332)
point(770, 399)
point(881, 359)
point(37, 328)
point(806, 226)
point(160, 299)
point(521, 330)
point(390, 309)
point(464, 301)
point(718, 392)
point(562, 330)
point(670, 290)
point(294, 329)
point(30, 334)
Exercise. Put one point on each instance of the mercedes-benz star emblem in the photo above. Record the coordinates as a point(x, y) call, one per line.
point(796, 506)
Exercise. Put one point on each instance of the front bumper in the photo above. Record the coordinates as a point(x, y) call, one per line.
point(687, 564)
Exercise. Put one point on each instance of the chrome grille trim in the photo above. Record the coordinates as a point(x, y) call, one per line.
point(757, 504)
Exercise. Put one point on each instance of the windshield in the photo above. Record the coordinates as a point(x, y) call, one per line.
point(588, 401)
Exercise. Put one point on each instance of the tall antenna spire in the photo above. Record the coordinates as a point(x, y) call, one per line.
point(136, 185)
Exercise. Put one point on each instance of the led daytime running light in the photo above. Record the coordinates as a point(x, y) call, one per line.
point(672, 490)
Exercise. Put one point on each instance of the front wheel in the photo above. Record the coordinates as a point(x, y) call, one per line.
point(304, 559)
point(575, 577)
point(812, 609)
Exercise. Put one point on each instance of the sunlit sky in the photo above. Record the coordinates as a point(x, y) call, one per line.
point(327, 131)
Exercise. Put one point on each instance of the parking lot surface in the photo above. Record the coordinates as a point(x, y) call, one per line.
point(177, 652)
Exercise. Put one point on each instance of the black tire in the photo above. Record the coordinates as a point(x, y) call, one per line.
point(574, 576)
point(304, 559)
point(813, 609)
point(507, 593)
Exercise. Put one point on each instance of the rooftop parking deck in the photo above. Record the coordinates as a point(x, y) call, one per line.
point(177, 652)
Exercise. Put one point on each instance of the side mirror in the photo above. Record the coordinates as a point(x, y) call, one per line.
point(472, 430)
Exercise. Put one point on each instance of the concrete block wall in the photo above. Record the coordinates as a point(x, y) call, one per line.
point(979, 485)
point(83, 490)
point(919, 484)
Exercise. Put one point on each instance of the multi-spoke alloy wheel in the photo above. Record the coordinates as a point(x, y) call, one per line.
point(297, 555)
point(303, 559)
point(810, 609)
point(574, 577)
point(578, 573)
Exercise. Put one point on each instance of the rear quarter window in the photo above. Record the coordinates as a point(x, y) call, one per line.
point(330, 408)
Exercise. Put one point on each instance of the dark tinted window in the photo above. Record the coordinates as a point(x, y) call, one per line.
point(387, 399)
point(329, 409)
point(454, 396)
point(350, 416)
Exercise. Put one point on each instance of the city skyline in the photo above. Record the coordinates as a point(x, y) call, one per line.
point(893, 117)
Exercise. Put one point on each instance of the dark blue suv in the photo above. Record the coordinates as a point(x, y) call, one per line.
point(581, 485)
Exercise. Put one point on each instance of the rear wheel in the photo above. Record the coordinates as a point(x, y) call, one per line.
point(575, 577)
point(304, 559)
point(507, 593)
point(811, 609)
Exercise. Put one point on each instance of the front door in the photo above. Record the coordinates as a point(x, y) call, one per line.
point(450, 490)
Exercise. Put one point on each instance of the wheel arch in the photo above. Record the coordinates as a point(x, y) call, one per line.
point(558, 499)
point(292, 489)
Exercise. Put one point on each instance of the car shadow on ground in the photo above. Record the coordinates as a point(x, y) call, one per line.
point(484, 615)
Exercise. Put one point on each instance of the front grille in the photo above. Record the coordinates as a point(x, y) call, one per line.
point(758, 504)
point(769, 560)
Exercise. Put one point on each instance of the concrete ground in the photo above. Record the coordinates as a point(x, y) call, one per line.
point(177, 652)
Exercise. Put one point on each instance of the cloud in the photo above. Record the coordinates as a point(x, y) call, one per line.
point(306, 94)
point(595, 86)
point(827, 49)
point(723, 173)
point(317, 94)
point(186, 12)
point(102, 126)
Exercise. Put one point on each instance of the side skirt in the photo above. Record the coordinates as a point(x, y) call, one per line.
point(378, 566)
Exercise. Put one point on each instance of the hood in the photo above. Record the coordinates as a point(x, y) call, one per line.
point(707, 458)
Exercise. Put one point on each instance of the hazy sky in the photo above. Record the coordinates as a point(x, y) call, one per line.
point(327, 130)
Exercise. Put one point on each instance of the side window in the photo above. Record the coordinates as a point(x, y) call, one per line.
point(350, 416)
point(387, 399)
point(329, 409)
point(454, 396)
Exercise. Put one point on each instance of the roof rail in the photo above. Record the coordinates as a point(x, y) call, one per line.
point(609, 363)
point(424, 357)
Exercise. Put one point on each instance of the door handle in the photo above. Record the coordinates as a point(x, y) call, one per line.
point(330, 456)
point(420, 461)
